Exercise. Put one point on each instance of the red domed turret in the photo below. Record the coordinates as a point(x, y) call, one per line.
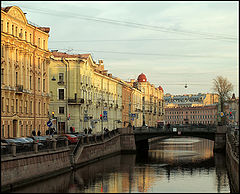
point(142, 78)
point(160, 88)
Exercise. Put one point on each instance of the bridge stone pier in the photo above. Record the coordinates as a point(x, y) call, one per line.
point(220, 139)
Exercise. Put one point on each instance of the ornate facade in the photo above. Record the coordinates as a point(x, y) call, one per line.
point(24, 74)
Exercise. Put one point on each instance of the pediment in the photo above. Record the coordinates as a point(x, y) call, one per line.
point(17, 13)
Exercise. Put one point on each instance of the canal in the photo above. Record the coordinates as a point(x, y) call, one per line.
point(174, 165)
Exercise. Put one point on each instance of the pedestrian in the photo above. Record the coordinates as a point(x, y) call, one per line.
point(85, 130)
point(133, 127)
point(34, 132)
point(47, 132)
point(39, 133)
point(90, 130)
point(71, 130)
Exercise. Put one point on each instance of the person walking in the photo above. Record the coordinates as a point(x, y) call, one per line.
point(39, 133)
point(34, 132)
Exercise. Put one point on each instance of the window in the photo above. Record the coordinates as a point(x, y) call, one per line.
point(30, 38)
point(31, 107)
point(61, 94)
point(16, 55)
point(21, 102)
point(60, 77)
point(44, 85)
point(39, 84)
point(2, 131)
point(2, 104)
point(7, 27)
point(16, 31)
point(7, 105)
point(25, 35)
point(12, 106)
point(16, 78)
point(38, 42)
point(43, 44)
point(30, 82)
point(2, 76)
point(16, 105)
point(61, 110)
point(44, 108)
point(39, 108)
point(26, 107)
point(39, 63)
point(21, 34)
point(13, 30)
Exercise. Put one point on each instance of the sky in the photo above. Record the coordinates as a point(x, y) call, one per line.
point(174, 43)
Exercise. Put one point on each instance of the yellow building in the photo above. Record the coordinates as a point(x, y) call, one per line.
point(24, 74)
point(107, 98)
point(80, 91)
point(152, 101)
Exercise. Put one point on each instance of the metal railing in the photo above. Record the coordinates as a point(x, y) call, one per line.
point(35, 147)
point(233, 138)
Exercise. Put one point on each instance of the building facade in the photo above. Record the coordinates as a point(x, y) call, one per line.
point(24, 75)
point(206, 115)
point(187, 100)
point(81, 90)
point(152, 101)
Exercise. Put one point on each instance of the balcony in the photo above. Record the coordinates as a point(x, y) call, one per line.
point(19, 89)
point(61, 82)
point(76, 101)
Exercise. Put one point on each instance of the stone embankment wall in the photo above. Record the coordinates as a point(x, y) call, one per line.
point(232, 162)
point(120, 141)
point(18, 170)
point(29, 168)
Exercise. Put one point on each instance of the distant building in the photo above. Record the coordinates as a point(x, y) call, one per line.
point(192, 115)
point(191, 109)
point(190, 100)
point(24, 75)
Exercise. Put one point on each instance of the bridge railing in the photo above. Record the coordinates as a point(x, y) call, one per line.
point(175, 128)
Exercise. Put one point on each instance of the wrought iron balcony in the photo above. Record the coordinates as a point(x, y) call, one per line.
point(19, 89)
point(76, 101)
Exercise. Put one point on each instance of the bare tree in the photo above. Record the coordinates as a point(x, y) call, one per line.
point(224, 88)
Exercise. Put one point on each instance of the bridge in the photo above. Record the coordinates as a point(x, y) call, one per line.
point(216, 134)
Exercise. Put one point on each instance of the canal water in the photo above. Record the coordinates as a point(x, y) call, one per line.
point(175, 165)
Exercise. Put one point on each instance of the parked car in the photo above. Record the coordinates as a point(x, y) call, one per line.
point(26, 144)
point(18, 143)
point(30, 140)
point(71, 138)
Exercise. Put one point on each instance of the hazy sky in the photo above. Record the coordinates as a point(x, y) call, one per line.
point(173, 43)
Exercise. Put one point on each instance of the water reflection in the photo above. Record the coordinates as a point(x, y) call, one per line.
point(173, 165)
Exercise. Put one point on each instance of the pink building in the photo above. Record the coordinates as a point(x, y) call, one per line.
point(191, 115)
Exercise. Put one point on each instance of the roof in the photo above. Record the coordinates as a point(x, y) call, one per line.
point(6, 9)
point(61, 54)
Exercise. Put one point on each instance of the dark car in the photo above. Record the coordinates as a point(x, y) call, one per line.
point(19, 144)
point(30, 141)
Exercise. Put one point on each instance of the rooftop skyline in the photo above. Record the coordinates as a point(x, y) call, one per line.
point(172, 43)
